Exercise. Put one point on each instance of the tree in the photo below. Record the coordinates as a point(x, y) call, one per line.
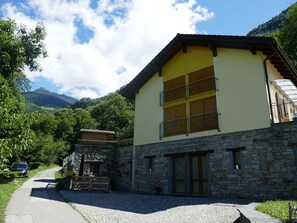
point(45, 124)
point(288, 34)
point(65, 124)
point(83, 120)
point(84, 103)
point(44, 150)
point(15, 133)
point(70, 122)
point(19, 48)
point(115, 113)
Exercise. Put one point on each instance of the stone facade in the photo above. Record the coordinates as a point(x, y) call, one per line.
point(102, 153)
point(268, 163)
point(112, 159)
point(124, 167)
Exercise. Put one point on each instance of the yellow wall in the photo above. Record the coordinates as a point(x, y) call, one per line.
point(196, 58)
point(148, 112)
point(241, 95)
point(242, 98)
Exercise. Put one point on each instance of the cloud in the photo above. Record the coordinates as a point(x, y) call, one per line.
point(95, 47)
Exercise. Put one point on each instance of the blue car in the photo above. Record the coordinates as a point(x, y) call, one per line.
point(21, 167)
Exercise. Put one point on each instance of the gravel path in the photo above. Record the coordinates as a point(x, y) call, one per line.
point(136, 208)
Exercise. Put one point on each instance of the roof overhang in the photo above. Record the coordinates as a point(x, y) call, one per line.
point(288, 89)
point(267, 45)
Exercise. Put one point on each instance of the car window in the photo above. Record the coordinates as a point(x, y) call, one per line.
point(22, 165)
point(15, 165)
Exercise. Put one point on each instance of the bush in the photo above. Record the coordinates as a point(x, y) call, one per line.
point(34, 165)
point(7, 176)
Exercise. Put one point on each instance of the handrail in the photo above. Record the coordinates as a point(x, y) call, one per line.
point(210, 121)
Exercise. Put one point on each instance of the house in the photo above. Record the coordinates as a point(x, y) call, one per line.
point(214, 115)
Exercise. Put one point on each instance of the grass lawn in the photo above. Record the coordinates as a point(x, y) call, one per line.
point(276, 209)
point(6, 190)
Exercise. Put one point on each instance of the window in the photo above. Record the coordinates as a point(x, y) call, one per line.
point(236, 158)
point(150, 163)
point(281, 108)
point(201, 81)
point(175, 121)
point(174, 89)
point(203, 114)
point(189, 103)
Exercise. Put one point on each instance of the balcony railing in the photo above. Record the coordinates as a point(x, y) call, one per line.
point(284, 112)
point(205, 121)
point(198, 87)
point(194, 123)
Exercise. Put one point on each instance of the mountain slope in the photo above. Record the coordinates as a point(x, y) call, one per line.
point(45, 98)
point(274, 24)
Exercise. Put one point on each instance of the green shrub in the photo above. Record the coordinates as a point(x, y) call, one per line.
point(6, 176)
point(34, 165)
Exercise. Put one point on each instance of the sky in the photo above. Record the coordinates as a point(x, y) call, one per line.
point(97, 46)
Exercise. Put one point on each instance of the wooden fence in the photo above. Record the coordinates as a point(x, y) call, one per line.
point(90, 183)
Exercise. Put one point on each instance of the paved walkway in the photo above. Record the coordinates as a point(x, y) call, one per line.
point(139, 208)
point(38, 202)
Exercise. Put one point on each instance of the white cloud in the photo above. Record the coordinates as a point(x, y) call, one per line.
point(127, 35)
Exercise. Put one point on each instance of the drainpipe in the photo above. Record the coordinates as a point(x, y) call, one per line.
point(133, 168)
point(267, 83)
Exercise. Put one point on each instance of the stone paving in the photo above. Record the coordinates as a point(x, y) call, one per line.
point(137, 208)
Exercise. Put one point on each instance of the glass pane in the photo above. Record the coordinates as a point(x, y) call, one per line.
point(175, 112)
point(195, 187)
point(180, 187)
point(201, 81)
point(201, 86)
point(204, 167)
point(174, 89)
point(175, 120)
point(205, 187)
point(203, 114)
point(180, 175)
point(180, 168)
point(195, 175)
point(236, 158)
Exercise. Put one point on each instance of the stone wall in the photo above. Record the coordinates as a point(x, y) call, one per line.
point(105, 153)
point(115, 161)
point(268, 163)
point(124, 167)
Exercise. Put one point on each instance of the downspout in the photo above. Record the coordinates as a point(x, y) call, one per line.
point(133, 168)
point(267, 83)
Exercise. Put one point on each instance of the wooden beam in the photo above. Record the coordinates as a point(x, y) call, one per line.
point(160, 71)
point(183, 47)
point(253, 51)
point(213, 49)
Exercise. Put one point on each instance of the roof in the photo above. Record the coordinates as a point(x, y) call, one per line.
point(97, 131)
point(288, 88)
point(267, 45)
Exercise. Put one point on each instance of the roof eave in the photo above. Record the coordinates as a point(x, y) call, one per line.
point(181, 41)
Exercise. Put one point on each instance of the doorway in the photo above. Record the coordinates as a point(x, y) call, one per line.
point(198, 174)
point(190, 174)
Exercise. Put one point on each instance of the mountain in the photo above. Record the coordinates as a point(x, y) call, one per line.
point(267, 28)
point(44, 98)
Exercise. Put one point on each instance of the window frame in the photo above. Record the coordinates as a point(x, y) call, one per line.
point(233, 163)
